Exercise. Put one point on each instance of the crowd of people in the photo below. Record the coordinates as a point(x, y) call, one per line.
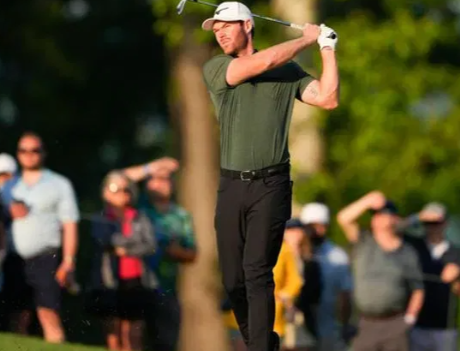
point(398, 279)
point(139, 240)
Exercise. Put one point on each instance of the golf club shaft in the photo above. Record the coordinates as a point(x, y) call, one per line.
point(285, 23)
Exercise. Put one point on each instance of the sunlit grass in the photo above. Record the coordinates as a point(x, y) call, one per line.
point(9, 342)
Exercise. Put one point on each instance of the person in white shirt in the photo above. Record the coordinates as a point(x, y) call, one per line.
point(333, 330)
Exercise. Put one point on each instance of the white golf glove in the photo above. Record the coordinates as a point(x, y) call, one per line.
point(327, 38)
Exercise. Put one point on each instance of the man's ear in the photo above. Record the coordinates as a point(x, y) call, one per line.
point(248, 26)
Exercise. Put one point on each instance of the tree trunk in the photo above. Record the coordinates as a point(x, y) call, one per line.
point(306, 142)
point(200, 288)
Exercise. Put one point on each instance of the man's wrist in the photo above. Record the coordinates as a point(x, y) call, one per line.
point(147, 169)
point(69, 259)
point(410, 318)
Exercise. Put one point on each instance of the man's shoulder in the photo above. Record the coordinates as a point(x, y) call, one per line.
point(217, 60)
point(179, 211)
point(57, 178)
point(336, 255)
point(409, 250)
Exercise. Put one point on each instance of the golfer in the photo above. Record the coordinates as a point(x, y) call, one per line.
point(253, 93)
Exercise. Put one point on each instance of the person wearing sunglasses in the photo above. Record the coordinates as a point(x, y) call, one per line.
point(42, 241)
point(121, 280)
point(441, 261)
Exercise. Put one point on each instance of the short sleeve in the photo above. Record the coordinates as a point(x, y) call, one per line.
point(452, 256)
point(67, 206)
point(413, 269)
point(302, 79)
point(215, 73)
point(345, 280)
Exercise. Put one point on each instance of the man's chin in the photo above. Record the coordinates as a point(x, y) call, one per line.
point(229, 51)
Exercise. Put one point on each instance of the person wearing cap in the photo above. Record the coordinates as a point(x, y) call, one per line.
point(8, 168)
point(434, 330)
point(8, 176)
point(334, 310)
point(388, 282)
point(254, 93)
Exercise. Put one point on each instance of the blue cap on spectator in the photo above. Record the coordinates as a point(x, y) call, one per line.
point(293, 223)
point(389, 208)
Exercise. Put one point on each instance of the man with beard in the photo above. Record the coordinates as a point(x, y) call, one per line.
point(42, 240)
point(176, 246)
point(336, 279)
point(253, 93)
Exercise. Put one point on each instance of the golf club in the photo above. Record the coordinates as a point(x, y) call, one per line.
point(180, 7)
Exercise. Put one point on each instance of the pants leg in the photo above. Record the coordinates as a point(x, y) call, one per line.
point(421, 340)
point(446, 340)
point(230, 229)
point(268, 207)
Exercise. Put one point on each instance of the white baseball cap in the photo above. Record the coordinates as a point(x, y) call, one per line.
point(437, 208)
point(229, 11)
point(7, 164)
point(315, 213)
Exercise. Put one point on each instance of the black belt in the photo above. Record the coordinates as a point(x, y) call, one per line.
point(247, 176)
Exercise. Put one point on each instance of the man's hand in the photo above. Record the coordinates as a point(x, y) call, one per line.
point(120, 251)
point(376, 200)
point(327, 38)
point(311, 33)
point(18, 210)
point(165, 163)
point(63, 271)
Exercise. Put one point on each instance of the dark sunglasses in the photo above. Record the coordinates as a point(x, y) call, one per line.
point(433, 223)
point(30, 151)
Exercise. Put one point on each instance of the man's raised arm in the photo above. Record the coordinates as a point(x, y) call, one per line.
point(245, 67)
point(324, 93)
point(140, 172)
point(348, 217)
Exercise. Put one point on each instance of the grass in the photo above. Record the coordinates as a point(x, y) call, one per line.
point(10, 342)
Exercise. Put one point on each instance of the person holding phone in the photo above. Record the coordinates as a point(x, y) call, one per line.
point(42, 241)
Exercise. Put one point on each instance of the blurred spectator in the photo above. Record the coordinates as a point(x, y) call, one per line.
point(44, 215)
point(8, 168)
point(301, 331)
point(288, 283)
point(122, 283)
point(8, 177)
point(176, 245)
point(336, 280)
point(388, 286)
point(440, 260)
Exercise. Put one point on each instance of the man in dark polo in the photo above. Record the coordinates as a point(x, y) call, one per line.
point(434, 330)
point(388, 282)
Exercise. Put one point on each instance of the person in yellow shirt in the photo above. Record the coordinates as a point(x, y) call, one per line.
point(288, 283)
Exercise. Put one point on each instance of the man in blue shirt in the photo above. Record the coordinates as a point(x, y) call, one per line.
point(44, 214)
point(333, 327)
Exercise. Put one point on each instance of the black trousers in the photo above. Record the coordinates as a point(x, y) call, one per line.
point(250, 221)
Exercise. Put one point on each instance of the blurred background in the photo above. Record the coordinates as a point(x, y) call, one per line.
point(112, 83)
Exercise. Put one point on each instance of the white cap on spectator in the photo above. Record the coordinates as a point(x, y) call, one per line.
point(7, 164)
point(315, 213)
point(437, 208)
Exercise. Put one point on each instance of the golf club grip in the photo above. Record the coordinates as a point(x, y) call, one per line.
point(297, 26)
